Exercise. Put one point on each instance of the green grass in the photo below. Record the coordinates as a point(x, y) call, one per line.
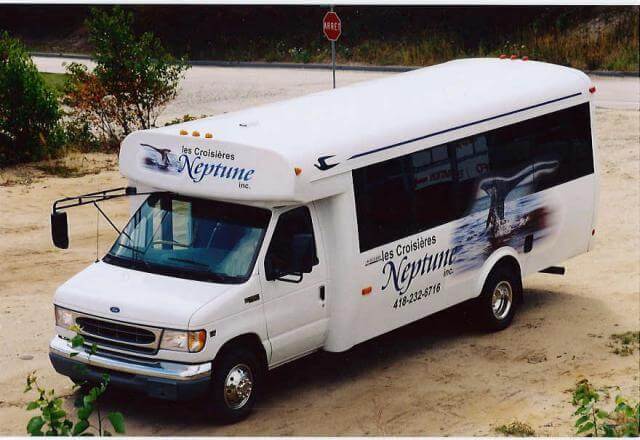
point(54, 81)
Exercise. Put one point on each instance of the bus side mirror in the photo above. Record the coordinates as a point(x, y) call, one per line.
point(60, 229)
point(300, 259)
point(302, 253)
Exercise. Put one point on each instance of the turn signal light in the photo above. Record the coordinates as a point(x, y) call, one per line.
point(183, 132)
point(367, 290)
point(195, 133)
point(196, 340)
point(297, 170)
point(208, 135)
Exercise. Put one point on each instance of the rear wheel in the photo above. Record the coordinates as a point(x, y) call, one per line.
point(500, 297)
point(236, 379)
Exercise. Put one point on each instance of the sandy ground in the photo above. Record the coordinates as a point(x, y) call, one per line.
point(435, 377)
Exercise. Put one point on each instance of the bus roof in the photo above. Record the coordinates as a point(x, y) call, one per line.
point(332, 132)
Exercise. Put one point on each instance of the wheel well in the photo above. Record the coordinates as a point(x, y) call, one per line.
point(250, 341)
point(511, 264)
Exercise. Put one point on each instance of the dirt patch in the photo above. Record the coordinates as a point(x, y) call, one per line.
point(72, 165)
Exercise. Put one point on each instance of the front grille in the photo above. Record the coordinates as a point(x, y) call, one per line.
point(118, 345)
point(115, 331)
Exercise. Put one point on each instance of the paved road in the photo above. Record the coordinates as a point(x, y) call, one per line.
point(212, 90)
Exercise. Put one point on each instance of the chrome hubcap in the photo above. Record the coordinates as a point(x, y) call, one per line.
point(238, 386)
point(502, 299)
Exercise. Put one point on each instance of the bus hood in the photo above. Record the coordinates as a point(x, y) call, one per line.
point(139, 297)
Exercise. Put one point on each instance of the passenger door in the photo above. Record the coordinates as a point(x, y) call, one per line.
point(294, 305)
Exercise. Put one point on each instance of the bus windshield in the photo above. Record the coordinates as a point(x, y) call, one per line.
point(192, 238)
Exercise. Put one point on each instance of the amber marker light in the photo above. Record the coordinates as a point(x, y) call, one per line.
point(297, 170)
point(366, 290)
point(195, 133)
point(196, 340)
point(183, 132)
point(208, 135)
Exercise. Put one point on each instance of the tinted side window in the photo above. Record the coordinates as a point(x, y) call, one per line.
point(412, 193)
point(432, 177)
point(472, 165)
point(383, 202)
point(291, 223)
point(494, 165)
point(562, 148)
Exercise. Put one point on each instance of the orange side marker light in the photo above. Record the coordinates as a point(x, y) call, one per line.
point(183, 132)
point(366, 290)
point(195, 133)
point(297, 170)
point(208, 135)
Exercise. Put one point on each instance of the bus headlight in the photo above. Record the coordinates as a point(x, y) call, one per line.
point(177, 340)
point(64, 317)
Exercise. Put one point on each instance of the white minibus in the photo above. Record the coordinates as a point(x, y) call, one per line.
point(317, 223)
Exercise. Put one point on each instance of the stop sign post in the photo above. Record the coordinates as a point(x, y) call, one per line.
point(332, 29)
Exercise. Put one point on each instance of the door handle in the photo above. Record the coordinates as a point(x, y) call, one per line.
point(322, 295)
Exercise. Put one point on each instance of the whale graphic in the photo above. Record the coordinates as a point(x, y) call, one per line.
point(498, 188)
point(160, 159)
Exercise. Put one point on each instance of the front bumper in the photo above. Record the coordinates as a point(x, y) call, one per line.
point(161, 379)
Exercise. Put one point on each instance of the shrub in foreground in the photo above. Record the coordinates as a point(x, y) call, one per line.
point(29, 113)
point(53, 420)
point(622, 421)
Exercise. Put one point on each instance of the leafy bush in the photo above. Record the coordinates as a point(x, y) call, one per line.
point(54, 419)
point(29, 113)
point(134, 78)
point(622, 421)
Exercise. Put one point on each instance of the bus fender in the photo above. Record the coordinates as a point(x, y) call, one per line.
point(490, 263)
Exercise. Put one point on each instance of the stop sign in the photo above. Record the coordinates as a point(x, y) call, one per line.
point(331, 26)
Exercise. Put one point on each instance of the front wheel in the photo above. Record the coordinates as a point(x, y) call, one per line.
point(501, 294)
point(235, 381)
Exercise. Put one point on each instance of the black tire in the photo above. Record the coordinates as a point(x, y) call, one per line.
point(233, 365)
point(494, 314)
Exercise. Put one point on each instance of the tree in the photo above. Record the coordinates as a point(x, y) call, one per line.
point(134, 77)
point(29, 113)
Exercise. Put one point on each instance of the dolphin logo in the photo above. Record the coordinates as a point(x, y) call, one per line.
point(322, 164)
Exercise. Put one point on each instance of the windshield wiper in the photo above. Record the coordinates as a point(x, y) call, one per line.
point(221, 278)
point(185, 260)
